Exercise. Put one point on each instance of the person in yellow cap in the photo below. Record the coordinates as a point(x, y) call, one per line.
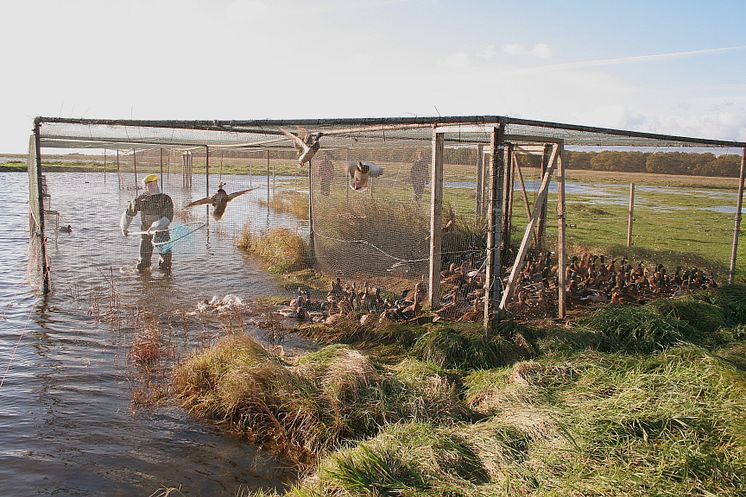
point(156, 211)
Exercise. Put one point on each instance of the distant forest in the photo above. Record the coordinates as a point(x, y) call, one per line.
point(694, 164)
point(706, 164)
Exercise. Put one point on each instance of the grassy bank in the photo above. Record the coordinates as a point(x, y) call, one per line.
point(627, 401)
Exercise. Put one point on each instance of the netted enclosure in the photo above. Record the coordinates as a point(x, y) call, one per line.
point(476, 216)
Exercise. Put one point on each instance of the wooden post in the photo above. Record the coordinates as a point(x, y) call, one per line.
point(513, 164)
point(526, 205)
point(134, 162)
point(521, 255)
point(630, 213)
point(119, 173)
point(163, 189)
point(562, 239)
point(436, 218)
point(267, 180)
point(311, 237)
point(507, 182)
point(207, 183)
point(478, 201)
point(492, 281)
point(737, 229)
point(542, 226)
point(45, 270)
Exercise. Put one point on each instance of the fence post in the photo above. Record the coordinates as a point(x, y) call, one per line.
point(311, 237)
point(46, 287)
point(492, 281)
point(561, 228)
point(737, 229)
point(436, 218)
point(478, 202)
point(507, 190)
point(630, 213)
point(207, 181)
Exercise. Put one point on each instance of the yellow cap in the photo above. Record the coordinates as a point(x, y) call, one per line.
point(150, 178)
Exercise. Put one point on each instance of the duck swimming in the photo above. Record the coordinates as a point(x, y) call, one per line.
point(219, 201)
point(66, 229)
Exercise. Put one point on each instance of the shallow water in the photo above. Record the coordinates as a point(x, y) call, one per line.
point(67, 425)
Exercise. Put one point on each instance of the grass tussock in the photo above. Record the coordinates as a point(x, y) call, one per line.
point(465, 346)
point(288, 202)
point(331, 396)
point(282, 249)
point(631, 401)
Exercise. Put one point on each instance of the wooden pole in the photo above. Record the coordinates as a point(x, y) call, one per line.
point(512, 192)
point(267, 151)
point(543, 215)
point(45, 270)
point(630, 213)
point(119, 173)
point(523, 249)
point(737, 229)
point(134, 162)
point(162, 185)
point(524, 194)
point(436, 218)
point(311, 237)
point(207, 183)
point(507, 182)
point(562, 239)
point(492, 281)
point(478, 201)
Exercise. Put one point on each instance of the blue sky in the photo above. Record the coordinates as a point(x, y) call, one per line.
point(673, 67)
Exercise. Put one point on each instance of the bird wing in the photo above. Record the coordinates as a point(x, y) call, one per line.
point(375, 170)
point(298, 142)
point(239, 193)
point(347, 168)
point(202, 201)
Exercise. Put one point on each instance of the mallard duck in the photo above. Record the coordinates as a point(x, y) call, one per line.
point(306, 146)
point(219, 201)
point(359, 174)
point(66, 229)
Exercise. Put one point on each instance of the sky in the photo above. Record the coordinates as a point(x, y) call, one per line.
point(676, 67)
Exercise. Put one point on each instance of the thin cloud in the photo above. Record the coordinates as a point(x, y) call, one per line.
point(540, 50)
point(628, 60)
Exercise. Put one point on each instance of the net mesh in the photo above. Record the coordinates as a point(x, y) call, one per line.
point(378, 234)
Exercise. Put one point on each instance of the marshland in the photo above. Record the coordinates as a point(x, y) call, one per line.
point(195, 384)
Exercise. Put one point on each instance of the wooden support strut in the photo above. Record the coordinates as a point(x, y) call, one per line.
point(630, 213)
point(737, 228)
point(207, 182)
point(45, 270)
point(507, 190)
point(521, 256)
point(524, 194)
point(492, 280)
point(561, 234)
point(436, 218)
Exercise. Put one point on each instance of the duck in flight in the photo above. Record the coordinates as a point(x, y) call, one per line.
point(359, 174)
point(219, 201)
point(306, 146)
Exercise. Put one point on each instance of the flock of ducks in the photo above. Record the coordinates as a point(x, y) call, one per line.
point(345, 302)
point(590, 278)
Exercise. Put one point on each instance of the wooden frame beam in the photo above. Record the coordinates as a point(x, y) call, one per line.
point(436, 218)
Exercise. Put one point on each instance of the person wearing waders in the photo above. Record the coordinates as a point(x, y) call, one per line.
point(156, 211)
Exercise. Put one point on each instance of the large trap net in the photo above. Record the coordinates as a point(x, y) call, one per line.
point(405, 204)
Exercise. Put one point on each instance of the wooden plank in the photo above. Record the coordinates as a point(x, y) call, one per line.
point(45, 269)
point(737, 229)
point(561, 233)
point(507, 190)
point(523, 192)
point(436, 218)
point(492, 280)
point(521, 256)
point(630, 213)
point(542, 227)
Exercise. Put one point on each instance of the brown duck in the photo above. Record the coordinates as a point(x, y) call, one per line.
point(219, 201)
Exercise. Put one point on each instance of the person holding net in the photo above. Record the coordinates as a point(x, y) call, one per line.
point(156, 211)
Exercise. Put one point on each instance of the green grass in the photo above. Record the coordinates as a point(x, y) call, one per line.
point(630, 401)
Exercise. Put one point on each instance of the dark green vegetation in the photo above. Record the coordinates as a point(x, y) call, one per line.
point(628, 401)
